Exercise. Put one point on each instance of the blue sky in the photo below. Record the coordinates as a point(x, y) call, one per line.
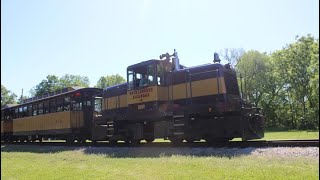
point(96, 38)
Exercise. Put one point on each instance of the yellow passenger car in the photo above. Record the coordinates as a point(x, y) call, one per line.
point(66, 114)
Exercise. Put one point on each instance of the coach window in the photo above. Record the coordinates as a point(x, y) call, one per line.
point(66, 104)
point(30, 110)
point(40, 108)
point(77, 106)
point(5, 114)
point(25, 111)
point(88, 103)
point(59, 104)
point(15, 114)
point(8, 114)
point(35, 109)
point(53, 106)
point(20, 112)
point(46, 107)
point(11, 114)
point(98, 105)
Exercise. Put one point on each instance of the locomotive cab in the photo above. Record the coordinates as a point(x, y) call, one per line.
point(146, 88)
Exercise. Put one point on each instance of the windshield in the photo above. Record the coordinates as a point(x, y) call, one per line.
point(141, 76)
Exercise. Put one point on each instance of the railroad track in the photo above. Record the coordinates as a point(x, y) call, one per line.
point(239, 144)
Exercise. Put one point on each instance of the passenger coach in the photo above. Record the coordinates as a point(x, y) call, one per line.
point(66, 114)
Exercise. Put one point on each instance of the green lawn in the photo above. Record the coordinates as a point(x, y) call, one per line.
point(291, 134)
point(280, 135)
point(33, 162)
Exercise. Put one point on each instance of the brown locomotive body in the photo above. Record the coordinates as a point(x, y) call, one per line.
point(160, 100)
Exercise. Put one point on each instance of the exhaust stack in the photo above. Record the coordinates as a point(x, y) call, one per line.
point(176, 60)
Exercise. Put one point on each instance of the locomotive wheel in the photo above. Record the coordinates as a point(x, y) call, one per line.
point(70, 140)
point(113, 142)
point(175, 140)
point(150, 140)
point(82, 140)
point(190, 140)
point(136, 141)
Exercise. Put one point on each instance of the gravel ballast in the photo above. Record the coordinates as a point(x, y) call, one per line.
point(160, 152)
point(312, 152)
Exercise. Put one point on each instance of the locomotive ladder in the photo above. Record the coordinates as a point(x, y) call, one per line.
point(110, 128)
point(178, 125)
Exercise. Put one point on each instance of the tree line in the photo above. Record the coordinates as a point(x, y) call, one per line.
point(53, 83)
point(284, 83)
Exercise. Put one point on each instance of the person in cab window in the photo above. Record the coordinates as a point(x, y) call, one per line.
point(144, 81)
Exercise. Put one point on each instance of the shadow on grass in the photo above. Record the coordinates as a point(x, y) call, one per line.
point(35, 148)
point(134, 152)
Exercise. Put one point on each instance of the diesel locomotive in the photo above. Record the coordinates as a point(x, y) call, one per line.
point(164, 99)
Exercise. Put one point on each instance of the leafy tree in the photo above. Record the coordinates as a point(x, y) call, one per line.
point(300, 71)
point(232, 55)
point(7, 97)
point(52, 83)
point(48, 85)
point(285, 84)
point(74, 80)
point(106, 81)
point(253, 68)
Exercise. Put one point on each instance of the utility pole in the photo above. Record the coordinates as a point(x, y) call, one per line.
point(21, 99)
point(241, 86)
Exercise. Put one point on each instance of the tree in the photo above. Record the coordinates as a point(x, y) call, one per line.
point(106, 81)
point(74, 80)
point(285, 84)
point(232, 55)
point(298, 66)
point(7, 97)
point(48, 85)
point(254, 70)
point(52, 83)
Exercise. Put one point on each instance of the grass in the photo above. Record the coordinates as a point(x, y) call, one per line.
point(280, 135)
point(291, 134)
point(34, 163)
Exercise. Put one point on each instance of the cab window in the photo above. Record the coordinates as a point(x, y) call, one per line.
point(143, 76)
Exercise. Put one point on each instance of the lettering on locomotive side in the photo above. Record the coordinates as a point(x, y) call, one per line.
point(141, 93)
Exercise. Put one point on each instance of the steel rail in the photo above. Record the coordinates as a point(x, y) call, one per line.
point(230, 144)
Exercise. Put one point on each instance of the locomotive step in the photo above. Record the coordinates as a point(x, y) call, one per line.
point(178, 125)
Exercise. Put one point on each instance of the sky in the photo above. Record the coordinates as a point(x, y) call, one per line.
point(96, 38)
